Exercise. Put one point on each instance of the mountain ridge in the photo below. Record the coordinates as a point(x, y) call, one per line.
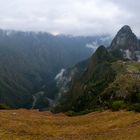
point(98, 87)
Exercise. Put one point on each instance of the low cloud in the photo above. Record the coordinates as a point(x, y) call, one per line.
point(80, 17)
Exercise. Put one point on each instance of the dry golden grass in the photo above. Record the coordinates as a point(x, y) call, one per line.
point(34, 125)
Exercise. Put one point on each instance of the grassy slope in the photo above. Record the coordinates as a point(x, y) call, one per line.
point(33, 125)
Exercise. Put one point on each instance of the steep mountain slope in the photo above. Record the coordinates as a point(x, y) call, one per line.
point(109, 79)
point(126, 44)
point(85, 87)
point(29, 62)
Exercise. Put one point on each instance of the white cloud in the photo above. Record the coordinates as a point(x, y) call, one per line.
point(78, 17)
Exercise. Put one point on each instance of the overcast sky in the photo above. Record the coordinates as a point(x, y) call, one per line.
point(77, 17)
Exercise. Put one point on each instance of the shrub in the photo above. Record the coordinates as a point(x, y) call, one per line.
point(4, 106)
point(72, 113)
point(135, 107)
point(117, 105)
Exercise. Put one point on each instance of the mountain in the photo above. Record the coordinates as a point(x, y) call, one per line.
point(85, 85)
point(126, 44)
point(110, 78)
point(29, 62)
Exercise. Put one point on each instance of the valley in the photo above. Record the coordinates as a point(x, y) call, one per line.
point(29, 62)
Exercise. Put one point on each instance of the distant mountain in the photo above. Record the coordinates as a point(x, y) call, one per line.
point(110, 78)
point(29, 62)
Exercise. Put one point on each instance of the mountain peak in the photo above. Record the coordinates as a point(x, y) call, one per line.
point(101, 49)
point(127, 43)
point(126, 29)
point(101, 54)
point(125, 40)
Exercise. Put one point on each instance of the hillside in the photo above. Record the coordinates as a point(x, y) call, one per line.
point(34, 125)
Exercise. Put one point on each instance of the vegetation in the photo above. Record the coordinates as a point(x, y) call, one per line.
point(117, 105)
point(4, 106)
point(34, 125)
point(134, 107)
point(133, 67)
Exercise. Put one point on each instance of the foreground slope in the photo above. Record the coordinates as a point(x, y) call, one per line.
point(34, 125)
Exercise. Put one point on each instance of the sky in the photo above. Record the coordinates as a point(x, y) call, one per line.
point(75, 17)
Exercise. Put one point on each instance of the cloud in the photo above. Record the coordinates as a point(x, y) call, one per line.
point(77, 17)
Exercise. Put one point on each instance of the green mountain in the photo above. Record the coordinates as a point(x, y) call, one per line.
point(110, 78)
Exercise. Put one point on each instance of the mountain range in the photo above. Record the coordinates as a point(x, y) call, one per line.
point(30, 61)
point(109, 79)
